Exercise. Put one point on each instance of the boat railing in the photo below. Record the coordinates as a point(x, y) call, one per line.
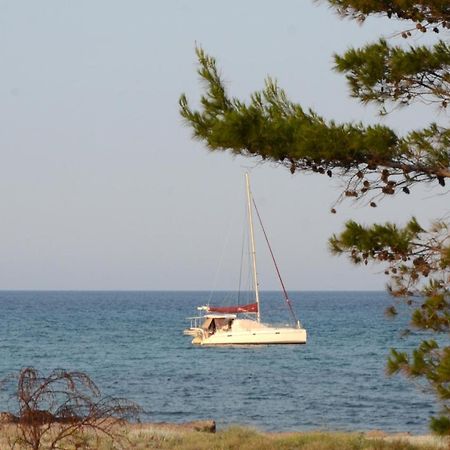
point(196, 322)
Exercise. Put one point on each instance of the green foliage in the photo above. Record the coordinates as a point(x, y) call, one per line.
point(430, 363)
point(433, 12)
point(274, 128)
point(411, 256)
point(380, 72)
point(440, 425)
point(271, 127)
point(370, 160)
point(381, 241)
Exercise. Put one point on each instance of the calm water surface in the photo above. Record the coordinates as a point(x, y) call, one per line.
point(131, 344)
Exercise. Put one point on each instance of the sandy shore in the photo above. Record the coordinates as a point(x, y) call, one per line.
point(420, 440)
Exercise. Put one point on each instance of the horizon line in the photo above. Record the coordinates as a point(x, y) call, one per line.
point(187, 290)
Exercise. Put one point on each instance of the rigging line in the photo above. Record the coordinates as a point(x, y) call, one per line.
point(286, 297)
point(250, 280)
point(249, 285)
point(242, 264)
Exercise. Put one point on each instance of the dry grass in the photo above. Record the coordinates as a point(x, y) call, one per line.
point(148, 437)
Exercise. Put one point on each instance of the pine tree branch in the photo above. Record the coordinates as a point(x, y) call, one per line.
point(380, 73)
point(271, 127)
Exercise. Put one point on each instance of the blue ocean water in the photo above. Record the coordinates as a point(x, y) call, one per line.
point(131, 344)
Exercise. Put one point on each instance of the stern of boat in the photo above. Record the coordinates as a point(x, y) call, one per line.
point(196, 333)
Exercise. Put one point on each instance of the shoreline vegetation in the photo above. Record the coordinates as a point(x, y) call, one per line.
point(202, 435)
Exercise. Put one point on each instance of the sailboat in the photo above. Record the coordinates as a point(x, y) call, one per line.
point(242, 324)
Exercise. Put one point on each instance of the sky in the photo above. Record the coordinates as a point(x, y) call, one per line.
point(101, 184)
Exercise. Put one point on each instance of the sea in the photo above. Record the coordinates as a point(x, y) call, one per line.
point(132, 345)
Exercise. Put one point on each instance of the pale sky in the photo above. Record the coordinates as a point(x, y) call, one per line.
point(101, 185)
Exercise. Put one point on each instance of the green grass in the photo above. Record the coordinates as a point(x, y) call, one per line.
point(148, 437)
point(237, 438)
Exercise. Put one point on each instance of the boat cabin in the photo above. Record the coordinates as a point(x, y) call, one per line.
point(210, 323)
point(214, 322)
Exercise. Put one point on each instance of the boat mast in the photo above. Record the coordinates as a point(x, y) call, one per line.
point(252, 240)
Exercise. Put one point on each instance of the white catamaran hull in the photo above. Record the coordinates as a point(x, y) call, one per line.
point(246, 332)
point(260, 338)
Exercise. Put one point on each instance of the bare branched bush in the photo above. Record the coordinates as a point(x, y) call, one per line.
point(60, 407)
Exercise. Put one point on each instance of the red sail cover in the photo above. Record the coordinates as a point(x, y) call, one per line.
point(250, 308)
